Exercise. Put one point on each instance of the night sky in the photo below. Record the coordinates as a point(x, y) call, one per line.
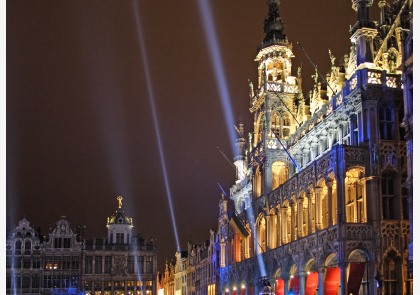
point(79, 125)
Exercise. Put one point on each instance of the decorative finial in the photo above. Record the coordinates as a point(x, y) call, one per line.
point(119, 198)
point(332, 57)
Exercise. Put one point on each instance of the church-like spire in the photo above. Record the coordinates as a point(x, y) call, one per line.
point(273, 26)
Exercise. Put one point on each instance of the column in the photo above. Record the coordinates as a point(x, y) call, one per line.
point(318, 208)
point(321, 278)
point(314, 148)
point(310, 212)
point(300, 217)
point(329, 184)
point(341, 192)
point(268, 233)
point(286, 278)
point(305, 159)
point(331, 135)
point(284, 226)
point(302, 281)
point(343, 276)
point(293, 222)
point(279, 229)
point(268, 176)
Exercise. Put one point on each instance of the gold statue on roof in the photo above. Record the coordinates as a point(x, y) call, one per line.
point(119, 198)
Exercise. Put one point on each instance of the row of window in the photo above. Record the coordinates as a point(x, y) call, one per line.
point(318, 210)
point(35, 281)
point(103, 264)
point(47, 262)
point(27, 246)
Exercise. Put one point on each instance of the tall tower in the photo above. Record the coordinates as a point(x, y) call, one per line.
point(363, 33)
point(274, 104)
point(119, 226)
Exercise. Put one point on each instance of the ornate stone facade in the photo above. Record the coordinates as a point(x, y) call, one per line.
point(342, 213)
point(66, 263)
point(323, 200)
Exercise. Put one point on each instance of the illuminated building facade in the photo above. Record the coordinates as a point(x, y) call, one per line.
point(66, 263)
point(321, 203)
point(38, 265)
point(193, 271)
point(407, 79)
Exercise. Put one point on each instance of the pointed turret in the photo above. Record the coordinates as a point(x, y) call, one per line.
point(273, 26)
point(363, 33)
point(239, 159)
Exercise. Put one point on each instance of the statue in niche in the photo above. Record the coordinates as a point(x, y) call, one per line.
point(374, 154)
point(392, 61)
point(299, 72)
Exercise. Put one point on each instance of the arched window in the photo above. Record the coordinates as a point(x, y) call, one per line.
point(262, 233)
point(389, 196)
point(18, 247)
point(389, 284)
point(280, 173)
point(286, 126)
point(260, 129)
point(355, 196)
point(28, 246)
point(286, 230)
point(272, 230)
point(247, 243)
point(334, 211)
point(257, 182)
point(293, 220)
point(288, 224)
point(324, 207)
point(238, 243)
point(274, 71)
point(305, 217)
point(270, 67)
point(275, 125)
point(311, 199)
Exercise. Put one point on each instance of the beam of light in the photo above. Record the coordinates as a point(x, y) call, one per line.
point(155, 117)
point(116, 150)
point(219, 74)
point(254, 233)
point(218, 70)
point(137, 267)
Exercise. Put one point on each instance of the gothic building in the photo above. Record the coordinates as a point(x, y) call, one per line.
point(66, 263)
point(322, 201)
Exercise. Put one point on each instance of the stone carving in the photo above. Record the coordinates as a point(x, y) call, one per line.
point(120, 266)
point(354, 156)
point(388, 155)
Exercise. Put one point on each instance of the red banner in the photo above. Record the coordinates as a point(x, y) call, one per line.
point(332, 280)
point(311, 283)
point(294, 285)
point(243, 291)
point(357, 270)
point(279, 287)
point(251, 289)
